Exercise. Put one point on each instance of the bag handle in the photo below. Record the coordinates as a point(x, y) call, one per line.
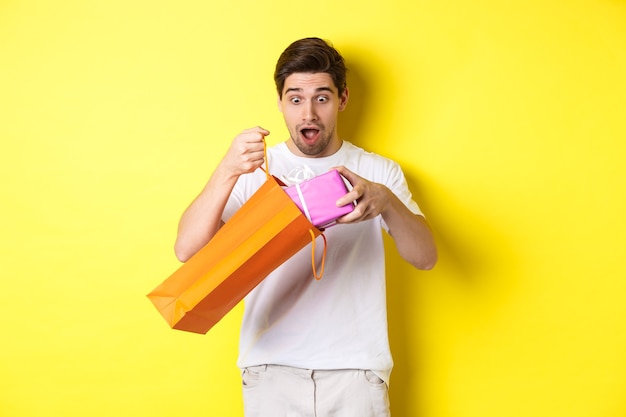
point(317, 277)
point(267, 161)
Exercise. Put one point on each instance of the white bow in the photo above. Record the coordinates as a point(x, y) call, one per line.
point(297, 175)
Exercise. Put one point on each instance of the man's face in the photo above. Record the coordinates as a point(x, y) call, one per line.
point(310, 104)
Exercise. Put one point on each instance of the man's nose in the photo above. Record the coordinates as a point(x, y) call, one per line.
point(309, 113)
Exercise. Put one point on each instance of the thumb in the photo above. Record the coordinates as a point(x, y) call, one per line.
point(347, 174)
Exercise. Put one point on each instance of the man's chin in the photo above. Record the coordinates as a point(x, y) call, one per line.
point(309, 149)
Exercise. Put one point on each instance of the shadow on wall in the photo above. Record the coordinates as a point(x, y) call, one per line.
point(353, 121)
point(468, 268)
point(465, 260)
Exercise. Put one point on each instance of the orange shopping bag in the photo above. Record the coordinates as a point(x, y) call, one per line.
point(266, 231)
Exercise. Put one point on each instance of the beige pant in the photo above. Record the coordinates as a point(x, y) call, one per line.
point(282, 391)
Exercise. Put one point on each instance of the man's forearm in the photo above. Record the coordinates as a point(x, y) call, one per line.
point(203, 218)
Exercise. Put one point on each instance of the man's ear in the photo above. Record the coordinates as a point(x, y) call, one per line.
point(279, 102)
point(343, 99)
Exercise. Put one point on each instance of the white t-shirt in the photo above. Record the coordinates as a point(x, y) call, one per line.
point(340, 321)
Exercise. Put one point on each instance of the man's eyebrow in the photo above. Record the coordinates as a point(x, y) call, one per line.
point(317, 90)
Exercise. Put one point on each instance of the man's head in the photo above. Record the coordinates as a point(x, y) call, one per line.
point(311, 82)
point(310, 55)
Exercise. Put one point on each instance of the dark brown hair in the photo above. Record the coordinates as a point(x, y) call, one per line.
point(310, 55)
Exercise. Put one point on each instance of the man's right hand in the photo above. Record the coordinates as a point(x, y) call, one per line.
point(246, 152)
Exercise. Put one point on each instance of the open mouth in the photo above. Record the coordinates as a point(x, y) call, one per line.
point(310, 134)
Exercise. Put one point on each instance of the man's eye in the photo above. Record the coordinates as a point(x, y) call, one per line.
point(295, 100)
point(322, 99)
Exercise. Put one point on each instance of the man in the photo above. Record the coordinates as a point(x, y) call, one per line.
point(308, 347)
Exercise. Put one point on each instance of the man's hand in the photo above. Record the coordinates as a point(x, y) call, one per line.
point(245, 153)
point(409, 231)
point(372, 198)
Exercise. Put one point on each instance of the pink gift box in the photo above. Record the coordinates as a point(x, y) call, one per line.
point(317, 198)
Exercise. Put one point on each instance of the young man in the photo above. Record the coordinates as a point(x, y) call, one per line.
point(308, 347)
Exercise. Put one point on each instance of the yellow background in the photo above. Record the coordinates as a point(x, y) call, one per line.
point(508, 118)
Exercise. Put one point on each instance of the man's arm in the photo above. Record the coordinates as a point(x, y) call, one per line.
point(203, 218)
point(409, 231)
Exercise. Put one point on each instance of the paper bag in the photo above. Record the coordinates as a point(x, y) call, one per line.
point(266, 231)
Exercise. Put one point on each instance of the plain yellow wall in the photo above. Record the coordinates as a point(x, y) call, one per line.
point(508, 118)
